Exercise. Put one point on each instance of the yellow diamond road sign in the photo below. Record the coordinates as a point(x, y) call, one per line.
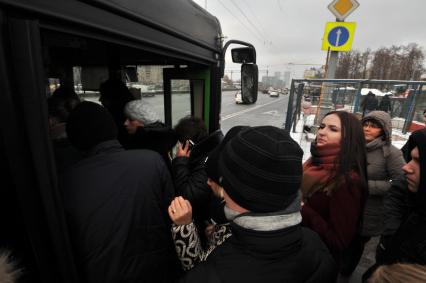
point(338, 36)
point(342, 8)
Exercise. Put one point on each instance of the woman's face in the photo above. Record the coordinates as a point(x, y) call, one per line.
point(371, 130)
point(132, 125)
point(330, 130)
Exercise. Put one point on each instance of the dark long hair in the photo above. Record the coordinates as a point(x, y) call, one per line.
point(352, 154)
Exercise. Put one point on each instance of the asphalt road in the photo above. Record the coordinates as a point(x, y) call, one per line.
point(266, 111)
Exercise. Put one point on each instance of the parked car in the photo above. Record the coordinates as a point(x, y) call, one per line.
point(274, 94)
point(238, 98)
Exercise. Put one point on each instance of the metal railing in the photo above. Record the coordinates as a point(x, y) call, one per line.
point(407, 99)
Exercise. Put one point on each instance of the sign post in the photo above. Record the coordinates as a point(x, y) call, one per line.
point(336, 38)
point(342, 8)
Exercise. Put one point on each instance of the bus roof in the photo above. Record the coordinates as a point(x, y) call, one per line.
point(179, 25)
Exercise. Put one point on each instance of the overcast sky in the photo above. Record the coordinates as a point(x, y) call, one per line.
point(291, 31)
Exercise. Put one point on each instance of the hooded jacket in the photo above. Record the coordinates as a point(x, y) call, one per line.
point(409, 242)
point(384, 163)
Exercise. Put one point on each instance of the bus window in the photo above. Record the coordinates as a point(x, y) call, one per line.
point(181, 100)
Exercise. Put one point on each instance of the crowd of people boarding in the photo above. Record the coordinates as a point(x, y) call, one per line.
point(148, 203)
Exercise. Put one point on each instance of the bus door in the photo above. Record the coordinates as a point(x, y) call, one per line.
point(186, 92)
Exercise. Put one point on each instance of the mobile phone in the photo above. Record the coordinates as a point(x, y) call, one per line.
point(190, 144)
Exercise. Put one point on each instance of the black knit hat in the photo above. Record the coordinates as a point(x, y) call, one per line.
point(262, 169)
point(212, 163)
point(90, 124)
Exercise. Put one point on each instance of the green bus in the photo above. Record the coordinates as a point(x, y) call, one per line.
point(47, 43)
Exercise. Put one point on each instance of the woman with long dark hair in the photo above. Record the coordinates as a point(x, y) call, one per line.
point(334, 184)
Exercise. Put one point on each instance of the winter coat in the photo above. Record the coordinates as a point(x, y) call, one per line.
point(189, 176)
point(408, 244)
point(188, 243)
point(384, 163)
point(370, 103)
point(292, 254)
point(332, 208)
point(116, 206)
point(157, 137)
point(398, 202)
point(385, 104)
point(335, 217)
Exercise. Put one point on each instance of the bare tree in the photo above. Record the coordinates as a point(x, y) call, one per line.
point(393, 63)
point(412, 62)
point(343, 66)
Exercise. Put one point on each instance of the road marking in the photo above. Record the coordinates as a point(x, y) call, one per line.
point(249, 109)
point(272, 112)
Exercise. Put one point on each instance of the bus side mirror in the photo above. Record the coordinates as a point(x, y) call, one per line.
point(249, 81)
point(243, 55)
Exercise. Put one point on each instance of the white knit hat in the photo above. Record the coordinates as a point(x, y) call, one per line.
point(141, 111)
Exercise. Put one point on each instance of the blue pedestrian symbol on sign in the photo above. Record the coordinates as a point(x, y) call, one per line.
point(338, 36)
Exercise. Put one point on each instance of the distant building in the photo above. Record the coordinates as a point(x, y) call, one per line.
point(268, 81)
point(277, 75)
point(274, 81)
point(150, 74)
point(309, 74)
point(314, 73)
point(286, 79)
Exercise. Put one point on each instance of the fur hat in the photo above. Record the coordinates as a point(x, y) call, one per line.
point(141, 111)
point(90, 124)
point(261, 169)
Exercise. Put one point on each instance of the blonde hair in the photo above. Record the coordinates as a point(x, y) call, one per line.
point(399, 273)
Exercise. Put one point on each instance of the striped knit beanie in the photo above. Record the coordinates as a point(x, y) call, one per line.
point(261, 169)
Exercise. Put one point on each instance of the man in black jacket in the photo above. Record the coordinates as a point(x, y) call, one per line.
point(404, 239)
point(116, 204)
point(369, 104)
point(261, 170)
point(189, 175)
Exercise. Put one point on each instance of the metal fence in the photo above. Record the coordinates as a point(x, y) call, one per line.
point(407, 100)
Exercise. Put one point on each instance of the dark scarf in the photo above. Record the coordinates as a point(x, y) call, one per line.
point(319, 170)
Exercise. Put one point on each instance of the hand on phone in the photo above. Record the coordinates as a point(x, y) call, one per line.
point(184, 149)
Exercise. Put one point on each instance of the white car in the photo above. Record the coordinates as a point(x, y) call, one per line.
point(274, 94)
point(238, 98)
